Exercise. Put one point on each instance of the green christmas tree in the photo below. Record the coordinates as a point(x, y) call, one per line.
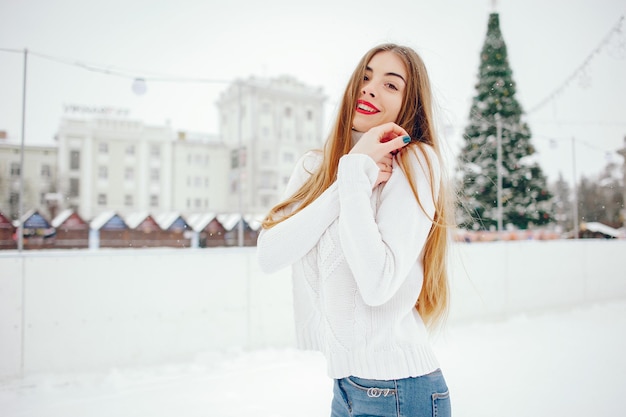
point(524, 192)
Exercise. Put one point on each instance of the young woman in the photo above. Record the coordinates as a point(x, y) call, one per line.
point(364, 225)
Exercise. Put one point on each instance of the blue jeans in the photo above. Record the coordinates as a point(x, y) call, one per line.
point(410, 397)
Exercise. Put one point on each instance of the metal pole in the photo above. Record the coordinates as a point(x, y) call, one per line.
point(499, 169)
point(239, 169)
point(575, 208)
point(623, 153)
point(20, 210)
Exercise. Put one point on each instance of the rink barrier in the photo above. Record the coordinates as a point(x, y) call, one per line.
point(88, 310)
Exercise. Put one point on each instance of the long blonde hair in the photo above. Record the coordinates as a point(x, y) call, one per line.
point(417, 119)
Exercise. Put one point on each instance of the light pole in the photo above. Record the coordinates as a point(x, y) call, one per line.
point(20, 210)
point(623, 153)
point(575, 208)
point(499, 169)
point(239, 168)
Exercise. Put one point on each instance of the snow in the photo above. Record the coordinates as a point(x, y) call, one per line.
point(567, 362)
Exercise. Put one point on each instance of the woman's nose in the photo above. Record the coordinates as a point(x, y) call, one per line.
point(368, 91)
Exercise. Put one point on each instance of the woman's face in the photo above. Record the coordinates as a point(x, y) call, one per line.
point(382, 92)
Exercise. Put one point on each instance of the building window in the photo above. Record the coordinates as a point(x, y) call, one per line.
point(103, 148)
point(74, 160)
point(238, 158)
point(130, 150)
point(266, 180)
point(198, 182)
point(266, 157)
point(45, 171)
point(128, 200)
point(15, 169)
point(155, 151)
point(198, 203)
point(14, 201)
point(309, 114)
point(154, 200)
point(288, 157)
point(154, 175)
point(266, 107)
point(206, 182)
point(102, 199)
point(129, 174)
point(287, 111)
point(103, 173)
point(74, 187)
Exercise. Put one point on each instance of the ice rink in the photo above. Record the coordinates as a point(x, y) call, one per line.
point(567, 362)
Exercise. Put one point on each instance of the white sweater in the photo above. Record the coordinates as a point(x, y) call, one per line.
point(356, 255)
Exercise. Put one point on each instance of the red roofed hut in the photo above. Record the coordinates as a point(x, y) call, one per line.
point(72, 232)
point(210, 232)
point(7, 233)
point(145, 232)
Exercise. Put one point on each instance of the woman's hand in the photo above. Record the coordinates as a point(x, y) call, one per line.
point(378, 143)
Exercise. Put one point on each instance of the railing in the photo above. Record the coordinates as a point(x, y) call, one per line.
point(80, 310)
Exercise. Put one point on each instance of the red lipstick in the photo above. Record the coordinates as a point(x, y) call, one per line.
point(365, 107)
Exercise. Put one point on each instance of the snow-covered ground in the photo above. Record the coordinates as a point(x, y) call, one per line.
point(557, 363)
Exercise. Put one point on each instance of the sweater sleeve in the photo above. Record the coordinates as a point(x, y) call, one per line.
point(381, 249)
point(291, 239)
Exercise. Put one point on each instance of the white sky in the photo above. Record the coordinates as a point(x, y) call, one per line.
point(319, 43)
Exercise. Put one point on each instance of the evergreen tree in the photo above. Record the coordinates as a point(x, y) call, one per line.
point(600, 199)
point(525, 196)
point(562, 204)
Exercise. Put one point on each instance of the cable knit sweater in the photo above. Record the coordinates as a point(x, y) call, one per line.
point(356, 257)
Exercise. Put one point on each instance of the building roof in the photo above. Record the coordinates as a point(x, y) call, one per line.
point(229, 221)
point(5, 222)
point(602, 228)
point(135, 219)
point(61, 217)
point(199, 221)
point(254, 220)
point(32, 219)
point(169, 221)
point(105, 217)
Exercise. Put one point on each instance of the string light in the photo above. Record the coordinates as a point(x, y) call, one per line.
point(582, 72)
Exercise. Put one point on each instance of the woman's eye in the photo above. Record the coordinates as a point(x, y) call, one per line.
point(366, 78)
point(392, 86)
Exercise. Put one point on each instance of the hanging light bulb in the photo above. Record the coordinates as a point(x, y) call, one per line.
point(139, 86)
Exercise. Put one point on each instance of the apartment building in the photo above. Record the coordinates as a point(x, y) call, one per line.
point(199, 174)
point(268, 124)
point(123, 165)
point(40, 171)
point(104, 160)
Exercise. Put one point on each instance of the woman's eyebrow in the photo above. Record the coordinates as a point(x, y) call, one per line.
point(389, 73)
